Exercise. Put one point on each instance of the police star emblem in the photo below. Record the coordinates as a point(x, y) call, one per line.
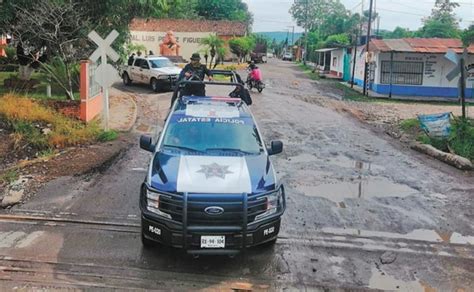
point(215, 170)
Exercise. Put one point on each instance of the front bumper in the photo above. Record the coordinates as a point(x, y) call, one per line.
point(166, 234)
point(186, 236)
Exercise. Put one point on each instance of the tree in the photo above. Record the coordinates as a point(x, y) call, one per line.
point(442, 22)
point(52, 28)
point(468, 35)
point(213, 43)
point(399, 33)
point(224, 10)
point(241, 46)
point(221, 52)
point(313, 14)
point(337, 40)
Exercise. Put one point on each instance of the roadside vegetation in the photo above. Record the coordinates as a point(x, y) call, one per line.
point(460, 141)
point(44, 129)
point(308, 70)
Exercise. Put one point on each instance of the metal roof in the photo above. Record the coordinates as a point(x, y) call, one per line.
point(419, 45)
point(326, 50)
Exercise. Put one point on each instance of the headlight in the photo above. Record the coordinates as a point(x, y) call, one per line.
point(163, 77)
point(273, 202)
point(153, 203)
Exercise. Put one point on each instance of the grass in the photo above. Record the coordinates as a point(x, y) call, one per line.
point(27, 118)
point(410, 125)
point(39, 92)
point(460, 141)
point(309, 71)
point(107, 136)
point(351, 94)
point(9, 176)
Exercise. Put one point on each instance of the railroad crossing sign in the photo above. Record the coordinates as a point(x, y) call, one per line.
point(454, 58)
point(106, 74)
point(459, 69)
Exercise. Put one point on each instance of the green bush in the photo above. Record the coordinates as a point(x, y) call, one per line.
point(461, 140)
point(410, 125)
point(107, 136)
point(30, 133)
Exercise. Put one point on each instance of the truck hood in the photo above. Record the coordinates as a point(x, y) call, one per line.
point(167, 70)
point(212, 174)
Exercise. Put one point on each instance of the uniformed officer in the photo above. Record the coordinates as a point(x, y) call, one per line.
point(195, 71)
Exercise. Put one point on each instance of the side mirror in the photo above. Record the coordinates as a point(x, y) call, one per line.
point(275, 148)
point(144, 66)
point(146, 143)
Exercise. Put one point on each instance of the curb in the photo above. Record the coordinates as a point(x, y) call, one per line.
point(135, 113)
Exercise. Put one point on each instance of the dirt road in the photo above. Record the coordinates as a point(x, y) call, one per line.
point(363, 213)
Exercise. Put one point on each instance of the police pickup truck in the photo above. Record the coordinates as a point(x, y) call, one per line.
point(211, 187)
point(159, 72)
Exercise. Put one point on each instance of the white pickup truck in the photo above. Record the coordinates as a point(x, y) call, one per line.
point(159, 72)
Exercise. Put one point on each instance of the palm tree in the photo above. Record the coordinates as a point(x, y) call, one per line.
point(220, 56)
point(213, 42)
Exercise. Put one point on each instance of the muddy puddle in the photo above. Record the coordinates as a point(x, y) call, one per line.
point(428, 235)
point(365, 185)
point(380, 280)
point(346, 162)
point(363, 188)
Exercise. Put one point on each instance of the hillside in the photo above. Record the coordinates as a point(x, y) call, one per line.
point(280, 36)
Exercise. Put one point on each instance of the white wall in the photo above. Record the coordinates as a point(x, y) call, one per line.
point(435, 67)
point(339, 56)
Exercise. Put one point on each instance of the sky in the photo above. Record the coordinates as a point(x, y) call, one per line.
point(273, 15)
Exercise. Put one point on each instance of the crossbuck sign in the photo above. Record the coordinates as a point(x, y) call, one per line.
point(106, 74)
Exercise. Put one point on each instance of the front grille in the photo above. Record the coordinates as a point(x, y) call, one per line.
point(197, 203)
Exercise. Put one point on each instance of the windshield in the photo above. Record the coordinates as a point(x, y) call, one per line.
point(210, 135)
point(160, 63)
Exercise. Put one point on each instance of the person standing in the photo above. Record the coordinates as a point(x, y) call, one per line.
point(195, 71)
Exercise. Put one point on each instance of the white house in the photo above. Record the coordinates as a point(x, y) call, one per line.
point(334, 62)
point(412, 67)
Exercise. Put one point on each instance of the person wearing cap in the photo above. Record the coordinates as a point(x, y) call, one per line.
point(195, 71)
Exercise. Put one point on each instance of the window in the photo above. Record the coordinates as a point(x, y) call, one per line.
point(213, 134)
point(334, 61)
point(140, 62)
point(402, 73)
point(161, 63)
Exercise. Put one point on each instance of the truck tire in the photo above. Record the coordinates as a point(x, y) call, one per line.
point(126, 79)
point(154, 84)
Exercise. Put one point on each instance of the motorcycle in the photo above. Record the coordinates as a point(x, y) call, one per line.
point(258, 84)
point(252, 83)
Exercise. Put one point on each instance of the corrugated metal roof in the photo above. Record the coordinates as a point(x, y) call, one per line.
point(326, 50)
point(419, 45)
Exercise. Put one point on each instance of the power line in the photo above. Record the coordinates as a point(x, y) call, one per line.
point(402, 12)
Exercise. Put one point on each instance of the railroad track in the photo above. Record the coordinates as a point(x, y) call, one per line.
point(371, 243)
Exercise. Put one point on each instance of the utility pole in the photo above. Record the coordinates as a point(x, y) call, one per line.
point(366, 67)
point(305, 32)
point(293, 36)
point(463, 87)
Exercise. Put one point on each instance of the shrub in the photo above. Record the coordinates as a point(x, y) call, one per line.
point(27, 118)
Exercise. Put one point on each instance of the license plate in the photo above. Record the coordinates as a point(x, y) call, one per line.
point(213, 241)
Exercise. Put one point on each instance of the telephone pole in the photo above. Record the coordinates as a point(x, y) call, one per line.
point(366, 67)
point(306, 2)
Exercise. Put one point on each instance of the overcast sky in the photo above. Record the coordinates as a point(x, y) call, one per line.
point(273, 15)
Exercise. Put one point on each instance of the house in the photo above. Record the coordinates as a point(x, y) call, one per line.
point(411, 67)
point(188, 33)
point(334, 62)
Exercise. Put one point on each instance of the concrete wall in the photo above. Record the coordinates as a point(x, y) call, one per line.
point(434, 82)
point(91, 106)
point(189, 41)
